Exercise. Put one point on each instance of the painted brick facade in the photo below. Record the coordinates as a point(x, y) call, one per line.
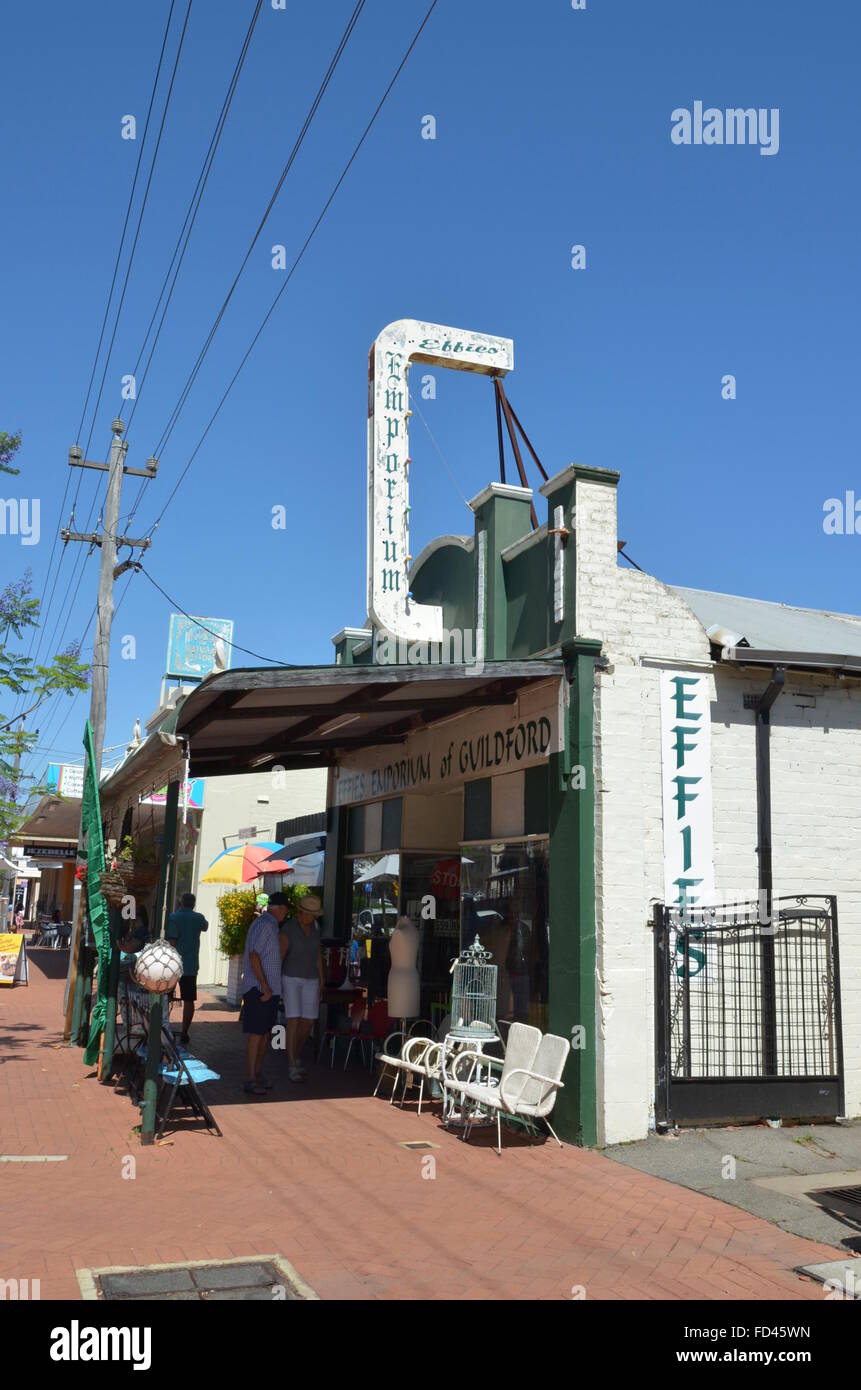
point(816, 796)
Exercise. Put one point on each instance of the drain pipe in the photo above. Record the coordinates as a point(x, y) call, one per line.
point(766, 877)
point(763, 781)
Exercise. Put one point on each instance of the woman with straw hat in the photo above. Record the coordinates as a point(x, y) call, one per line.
point(301, 977)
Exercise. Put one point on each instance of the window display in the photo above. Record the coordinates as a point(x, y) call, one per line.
point(504, 901)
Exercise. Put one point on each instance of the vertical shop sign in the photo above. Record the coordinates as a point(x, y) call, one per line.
point(687, 788)
point(389, 604)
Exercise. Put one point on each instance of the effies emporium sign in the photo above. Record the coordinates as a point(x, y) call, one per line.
point(479, 745)
point(687, 784)
point(390, 607)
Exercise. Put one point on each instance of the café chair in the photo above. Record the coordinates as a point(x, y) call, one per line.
point(530, 1081)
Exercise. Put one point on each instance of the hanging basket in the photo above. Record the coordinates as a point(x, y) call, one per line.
point(128, 880)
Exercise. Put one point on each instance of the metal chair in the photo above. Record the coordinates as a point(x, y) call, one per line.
point(531, 1078)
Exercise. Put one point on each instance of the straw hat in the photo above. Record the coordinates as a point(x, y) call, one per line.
point(310, 903)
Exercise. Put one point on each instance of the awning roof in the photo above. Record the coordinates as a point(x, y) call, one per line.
point(53, 821)
point(241, 721)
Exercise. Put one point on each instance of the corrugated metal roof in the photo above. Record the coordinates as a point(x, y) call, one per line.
point(776, 626)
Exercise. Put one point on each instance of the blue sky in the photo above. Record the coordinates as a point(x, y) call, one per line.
point(553, 128)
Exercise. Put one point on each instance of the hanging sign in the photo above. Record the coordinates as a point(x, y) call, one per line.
point(687, 787)
point(192, 643)
point(65, 779)
point(390, 607)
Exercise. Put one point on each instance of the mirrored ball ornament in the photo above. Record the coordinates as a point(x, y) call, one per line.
point(159, 966)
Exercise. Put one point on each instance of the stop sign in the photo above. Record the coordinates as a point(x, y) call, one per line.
point(445, 878)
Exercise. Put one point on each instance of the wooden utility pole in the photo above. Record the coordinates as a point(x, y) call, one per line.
point(80, 955)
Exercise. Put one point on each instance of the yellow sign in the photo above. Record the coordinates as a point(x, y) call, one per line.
point(10, 951)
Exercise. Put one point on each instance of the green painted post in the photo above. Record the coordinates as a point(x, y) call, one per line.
point(153, 1055)
point(572, 900)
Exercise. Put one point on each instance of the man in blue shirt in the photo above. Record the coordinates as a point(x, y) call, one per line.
point(261, 988)
point(184, 928)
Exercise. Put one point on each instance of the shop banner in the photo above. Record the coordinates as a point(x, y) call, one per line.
point(13, 959)
point(687, 785)
point(484, 743)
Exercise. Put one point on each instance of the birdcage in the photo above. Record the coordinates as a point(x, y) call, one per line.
point(473, 998)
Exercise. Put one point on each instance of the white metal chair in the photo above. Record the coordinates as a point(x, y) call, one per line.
point(531, 1078)
point(402, 1064)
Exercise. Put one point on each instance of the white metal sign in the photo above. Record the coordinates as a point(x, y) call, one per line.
point(408, 340)
point(687, 786)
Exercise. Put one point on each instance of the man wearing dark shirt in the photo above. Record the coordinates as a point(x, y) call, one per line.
point(183, 929)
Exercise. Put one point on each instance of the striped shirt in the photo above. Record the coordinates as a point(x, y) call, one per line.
point(263, 937)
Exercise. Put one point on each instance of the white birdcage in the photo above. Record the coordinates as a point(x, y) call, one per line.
point(473, 997)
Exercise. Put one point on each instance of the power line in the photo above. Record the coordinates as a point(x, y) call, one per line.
point(296, 262)
point(140, 220)
point(55, 704)
point(191, 212)
point(45, 610)
point(126, 221)
point(273, 660)
point(190, 380)
point(131, 261)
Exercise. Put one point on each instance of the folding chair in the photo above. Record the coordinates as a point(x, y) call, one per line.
point(180, 1073)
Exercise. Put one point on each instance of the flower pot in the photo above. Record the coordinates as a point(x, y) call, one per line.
point(234, 981)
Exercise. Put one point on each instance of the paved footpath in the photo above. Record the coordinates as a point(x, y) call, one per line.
point(316, 1174)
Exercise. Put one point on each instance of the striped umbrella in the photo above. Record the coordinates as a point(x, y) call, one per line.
point(241, 863)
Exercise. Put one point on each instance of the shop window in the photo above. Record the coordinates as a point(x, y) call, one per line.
point(356, 830)
point(392, 815)
point(505, 902)
point(477, 809)
point(430, 897)
point(536, 816)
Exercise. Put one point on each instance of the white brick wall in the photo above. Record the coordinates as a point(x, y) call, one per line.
point(816, 805)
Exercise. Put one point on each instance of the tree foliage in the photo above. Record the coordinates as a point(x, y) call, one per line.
point(23, 680)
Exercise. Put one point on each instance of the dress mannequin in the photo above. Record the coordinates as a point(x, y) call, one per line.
point(404, 986)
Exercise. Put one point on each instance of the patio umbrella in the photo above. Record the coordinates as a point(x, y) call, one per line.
point(241, 863)
point(308, 869)
point(387, 867)
point(299, 845)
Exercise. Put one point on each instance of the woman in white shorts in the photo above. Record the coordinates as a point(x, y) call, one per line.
point(302, 977)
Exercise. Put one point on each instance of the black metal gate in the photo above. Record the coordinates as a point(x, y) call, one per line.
point(748, 1013)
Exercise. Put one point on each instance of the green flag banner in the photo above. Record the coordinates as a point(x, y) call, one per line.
point(91, 824)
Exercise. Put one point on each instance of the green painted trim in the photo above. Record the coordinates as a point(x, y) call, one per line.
point(165, 882)
point(573, 945)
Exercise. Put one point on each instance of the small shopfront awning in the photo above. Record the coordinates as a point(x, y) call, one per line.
point(247, 720)
point(50, 831)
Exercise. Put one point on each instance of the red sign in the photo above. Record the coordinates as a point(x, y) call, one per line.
point(445, 878)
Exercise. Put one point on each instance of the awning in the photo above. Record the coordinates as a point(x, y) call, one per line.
point(245, 720)
point(51, 824)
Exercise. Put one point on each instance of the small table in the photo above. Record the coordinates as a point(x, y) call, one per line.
point(464, 1040)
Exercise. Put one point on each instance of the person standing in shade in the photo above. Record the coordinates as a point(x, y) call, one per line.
point(184, 928)
point(261, 983)
point(302, 977)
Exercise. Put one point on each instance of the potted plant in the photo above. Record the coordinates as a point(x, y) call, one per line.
point(134, 870)
point(236, 911)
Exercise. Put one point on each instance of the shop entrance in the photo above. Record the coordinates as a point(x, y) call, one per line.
point(748, 1014)
point(422, 885)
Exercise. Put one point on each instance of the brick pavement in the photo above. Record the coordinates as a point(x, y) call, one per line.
point(315, 1174)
